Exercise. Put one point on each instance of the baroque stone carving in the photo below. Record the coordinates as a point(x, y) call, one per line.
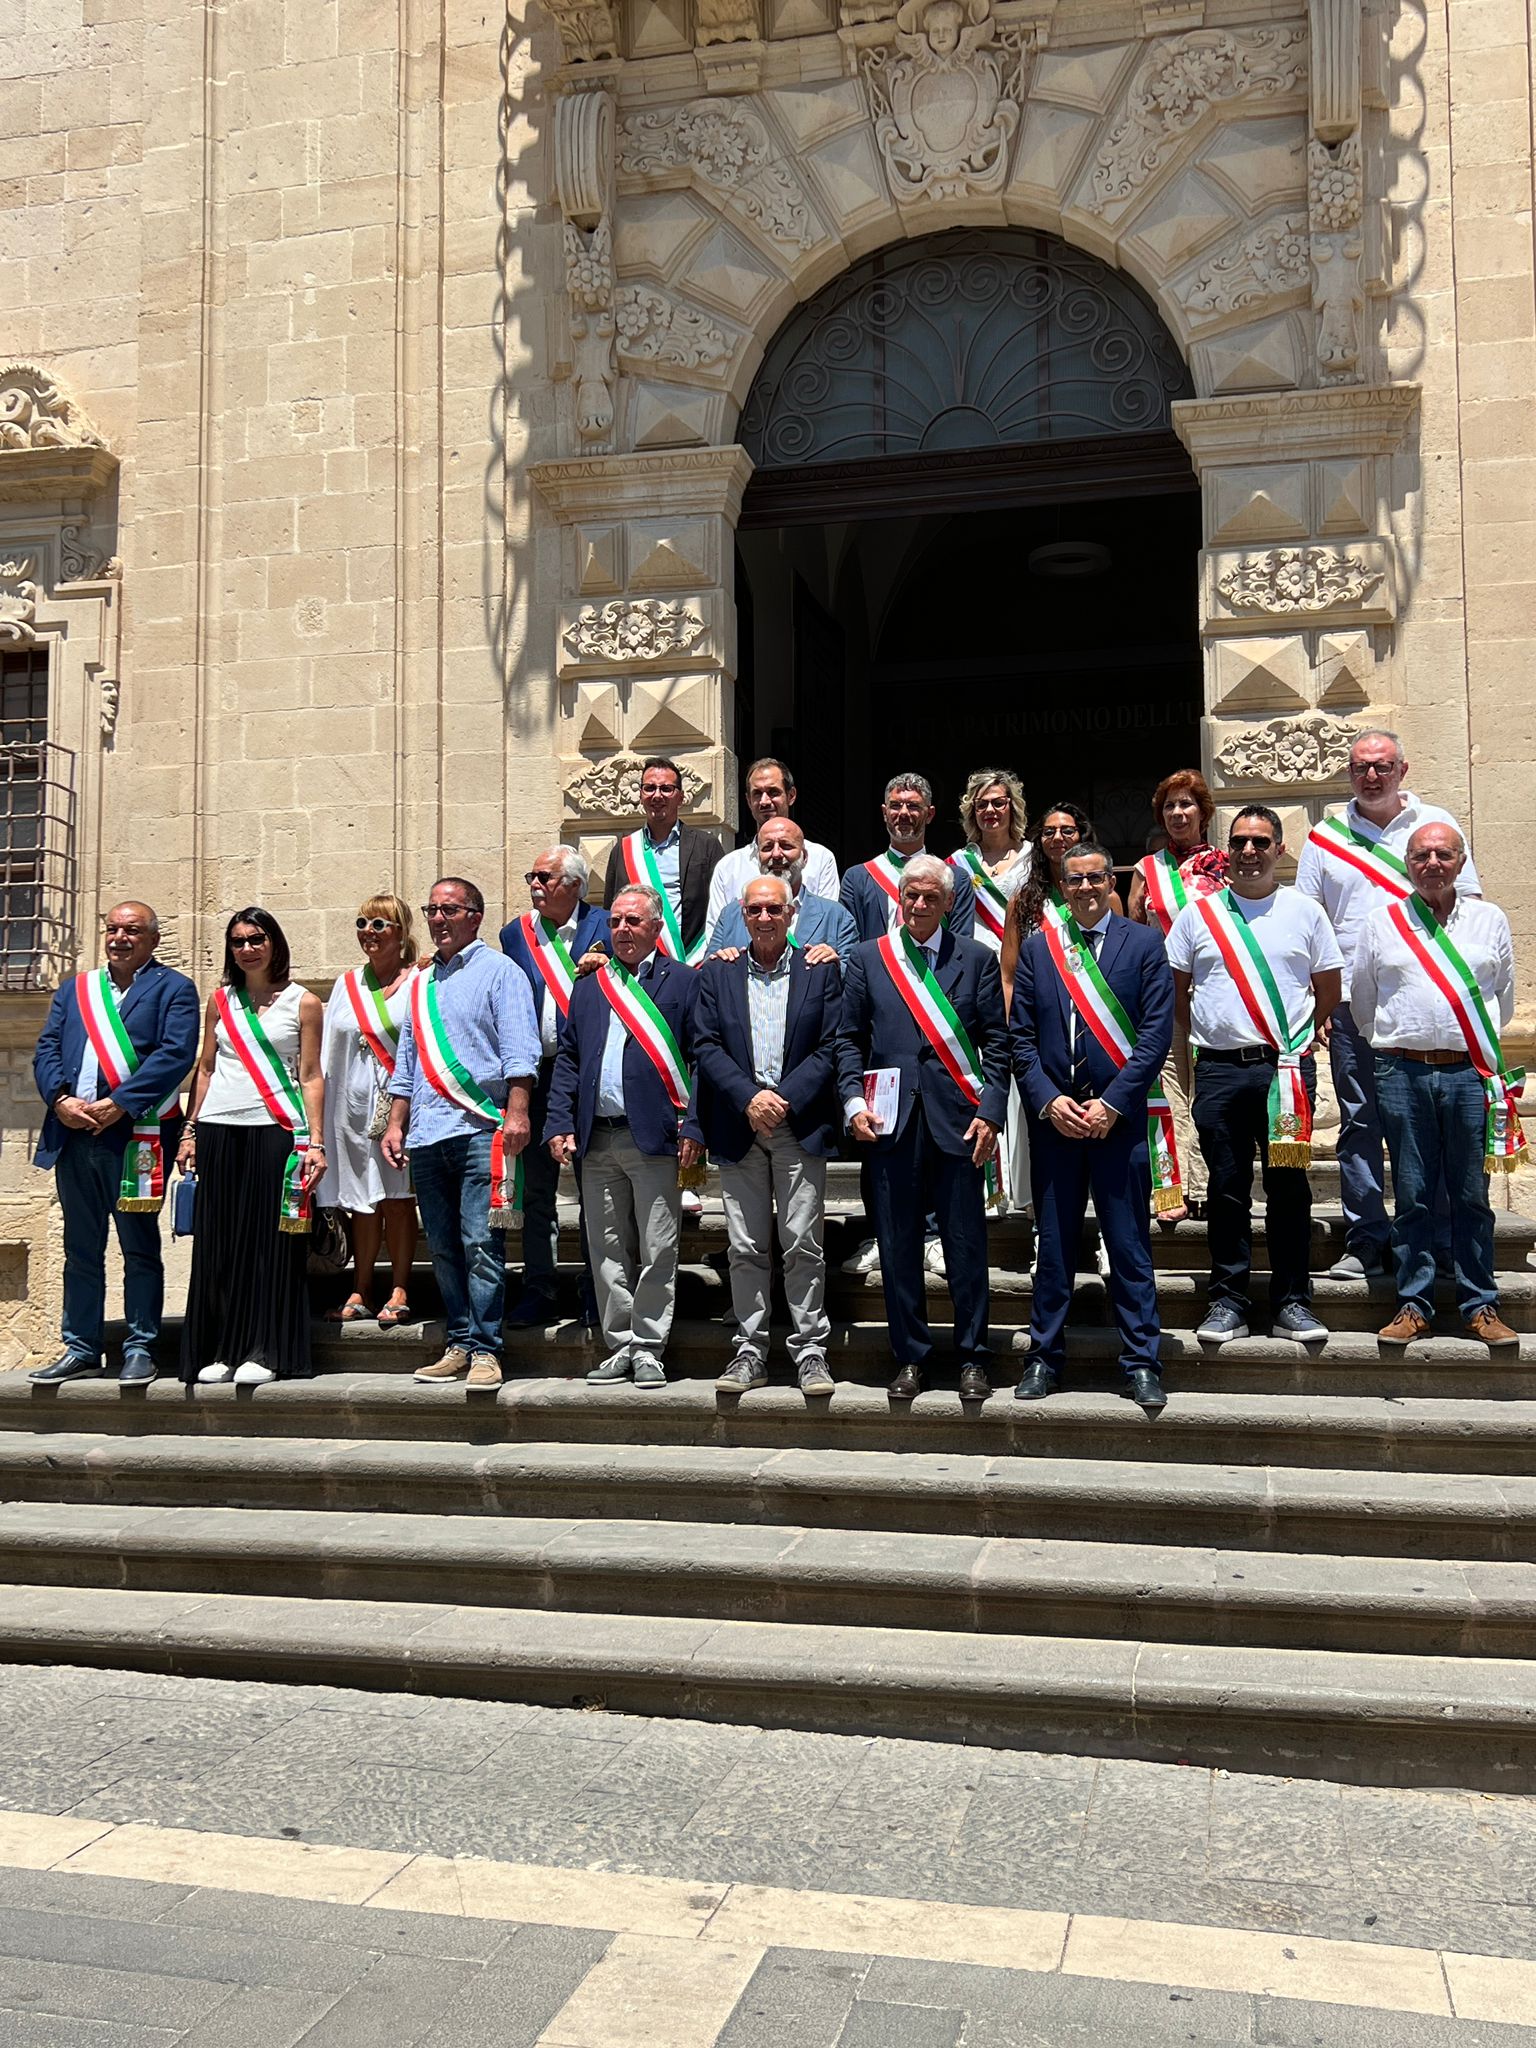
point(634, 629)
point(111, 699)
point(1270, 260)
point(1306, 579)
point(945, 96)
point(727, 21)
point(1314, 748)
point(18, 601)
point(1335, 196)
point(1335, 184)
point(588, 30)
point(584, 146)
point(36, 411)
point(611, 788)
point(79, 562)
point(654, 328)
point(1178, 81)
point(728, 146)
point(1335, 67)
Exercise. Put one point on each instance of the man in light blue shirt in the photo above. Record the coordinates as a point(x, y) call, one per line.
point(483, 1048)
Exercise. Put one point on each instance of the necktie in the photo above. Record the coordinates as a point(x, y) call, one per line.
point(1082, 1037)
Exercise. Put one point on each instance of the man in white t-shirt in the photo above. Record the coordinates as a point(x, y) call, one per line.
point(770, 794)
point(1353, 865)
point(1236, 956)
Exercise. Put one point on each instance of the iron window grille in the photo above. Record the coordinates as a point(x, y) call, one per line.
point(38, 870)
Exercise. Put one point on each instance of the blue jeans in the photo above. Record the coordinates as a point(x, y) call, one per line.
point(1367, 1229)
point(453, 1187)
point(1435, 1119)
point(87, 1174)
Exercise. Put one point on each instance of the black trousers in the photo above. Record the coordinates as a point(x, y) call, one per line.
point(908, 1181)
point(1231, 1112)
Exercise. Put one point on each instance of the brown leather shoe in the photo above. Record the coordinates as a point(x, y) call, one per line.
point(451, 1366)
point(907, 1385)
point(1404, 1327)
point(484, 1372)
point(1484, 1325)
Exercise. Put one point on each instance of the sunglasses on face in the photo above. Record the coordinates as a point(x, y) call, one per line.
point(446, 910)
point(377, 924)
point(1085, 881)
point(543, 878)
point(250, 945)
point(1260, 841)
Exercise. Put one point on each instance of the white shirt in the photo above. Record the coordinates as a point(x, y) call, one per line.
point(735, 870)
point(610, 1079)
point(1349, 897)
point(1296, 940)
point(1398, 1007)
point(930, 951)
point(549, 1009)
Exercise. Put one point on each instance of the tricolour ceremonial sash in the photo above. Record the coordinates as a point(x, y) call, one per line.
point(1290, 1108)
point(370, 1006)
point(648, 1028)
point(142, 1187)
point(991, 897)
point(551, 956)
point(643, 868)
point(447, 1073)
point(1165, 888)
point(1431, 945)
point(1101, 1010)
point(906, 962)
point(885, 872)
point(280, 1097)
point(1368, 857)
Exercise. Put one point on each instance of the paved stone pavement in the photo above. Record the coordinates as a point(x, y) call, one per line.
point(118, 1962)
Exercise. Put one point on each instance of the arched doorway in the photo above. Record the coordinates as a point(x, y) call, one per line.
point(971, 536)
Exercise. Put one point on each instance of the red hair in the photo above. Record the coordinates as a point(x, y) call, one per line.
point(1180, 781)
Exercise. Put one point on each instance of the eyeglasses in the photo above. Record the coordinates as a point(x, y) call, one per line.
point(543, 876)
point(993, 803)
point(246, 943)
point(448, 910)
point(377, 924)
point(1098, 881)
point(1259, 840)
point(1060, 832)
point(629, 917)
point(1360, 769)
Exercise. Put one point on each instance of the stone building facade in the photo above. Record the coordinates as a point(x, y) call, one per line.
point(374, 382)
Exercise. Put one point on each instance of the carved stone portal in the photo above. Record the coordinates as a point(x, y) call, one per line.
point(945, 97)
point(18, 601)
point(611, 789)
point(634, 629)
point(1314, 748)
point(1290, 580)
point(36, 411)
point(584, 149)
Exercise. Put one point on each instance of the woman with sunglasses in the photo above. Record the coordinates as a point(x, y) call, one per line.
point(357, 1057)
point(993, 865)
point(253, 1137)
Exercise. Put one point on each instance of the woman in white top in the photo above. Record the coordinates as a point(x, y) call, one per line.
point(357, 1057)
point(257, 1096)
point(993, 864)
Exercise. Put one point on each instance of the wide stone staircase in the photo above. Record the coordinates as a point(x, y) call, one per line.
point(1318, 1559)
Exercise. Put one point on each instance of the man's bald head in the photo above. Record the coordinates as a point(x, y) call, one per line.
point(130, 932)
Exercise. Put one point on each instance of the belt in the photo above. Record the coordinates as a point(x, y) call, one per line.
point(1427, 1059)
point(610, 1123)
point(1241, 1055)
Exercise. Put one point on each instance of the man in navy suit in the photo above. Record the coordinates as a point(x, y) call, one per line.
point(559, 939)
point(765, 1104)
point(818, 924)
point(89, 1124)
point(869, 891)
point(1088, 1115)
point(929, 1004)
point(616, 1102)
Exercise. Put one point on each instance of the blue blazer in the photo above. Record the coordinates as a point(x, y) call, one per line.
point(163, 1019)
point(878, 1030)
point(653, 1122)
point(821, 921)
point(869, 906)
point(591, 930)
point(724, 1081)
point(1136, 968)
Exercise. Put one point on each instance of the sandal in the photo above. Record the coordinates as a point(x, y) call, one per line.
point(353, 1310)
point(393, 1314)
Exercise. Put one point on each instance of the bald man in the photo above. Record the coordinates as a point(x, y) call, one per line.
point(116, 1048)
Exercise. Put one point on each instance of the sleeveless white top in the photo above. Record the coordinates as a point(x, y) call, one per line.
point(232, 1096)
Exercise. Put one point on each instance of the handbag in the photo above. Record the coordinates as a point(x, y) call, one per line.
point(378, 1121)
point(183, 1205)
point(330, 1249)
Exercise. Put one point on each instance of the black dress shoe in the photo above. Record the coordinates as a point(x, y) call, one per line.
point(1145, 1388)
point(69, 1367)
point(974, 1384)
point(1037, 1381)
point(138, 1368)
point(907, 1385)
point(530, 1312)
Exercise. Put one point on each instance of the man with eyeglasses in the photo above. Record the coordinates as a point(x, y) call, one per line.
point(1433, 985)
point(770, 796)
point(1091, 1024)
point(678, 861)
point(871, 892)
point(555, 942)
point(110, 1064)
point(463, 1079)
point(1256, 972)
point(1353, 865)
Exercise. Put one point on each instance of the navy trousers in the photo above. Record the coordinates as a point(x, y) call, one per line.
point(905, 1183)
point(1063, 1172)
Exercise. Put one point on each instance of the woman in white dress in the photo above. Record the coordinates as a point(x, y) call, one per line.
point(357, 1056)
point(993, 864)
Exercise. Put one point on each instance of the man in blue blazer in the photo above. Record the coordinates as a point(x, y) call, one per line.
point(867, 889)
point(1088, 1121)
point(819, 925)
point(87, 1129)
point(560, 938)
point(929, 1004)
point(765, 1104)
point(617, 1101)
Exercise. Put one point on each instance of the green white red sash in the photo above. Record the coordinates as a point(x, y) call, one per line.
point(1103, 1013)
point(648, 1028)
point(142, 1187)
point(1368, 857)
point(1431, 945)
point(906, 962)
point(1290, 1107)
point(447, 1073)
point(551, 956)
point(280, 1097)
point(885, 872)
point(643, 868)
point(1165, 888)
point(991, 898)
point(370, 1006)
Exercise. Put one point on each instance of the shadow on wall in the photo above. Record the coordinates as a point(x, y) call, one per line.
point(1404, 173)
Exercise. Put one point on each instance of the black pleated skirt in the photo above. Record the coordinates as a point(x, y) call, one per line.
point(249, 1296)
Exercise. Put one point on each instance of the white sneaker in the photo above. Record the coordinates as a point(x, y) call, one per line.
point(214, 1375)
point(253, 1374)
point(866, 1259)
point(692, 1204)
point(1102, 1257)
point(933, 1258)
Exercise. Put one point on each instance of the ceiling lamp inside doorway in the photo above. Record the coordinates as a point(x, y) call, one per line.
point(1064, 558)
